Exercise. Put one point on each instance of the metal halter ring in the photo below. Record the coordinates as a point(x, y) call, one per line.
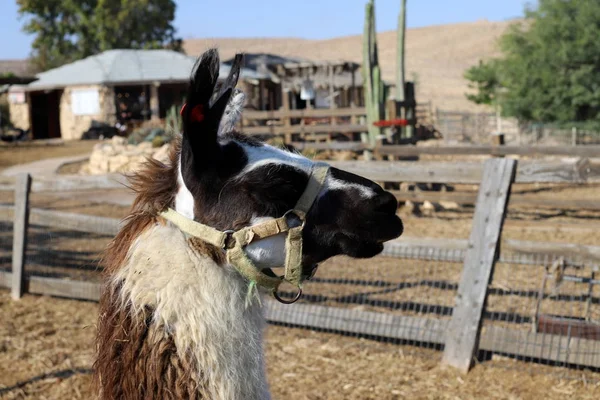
point(295, 299)
point(228, 243)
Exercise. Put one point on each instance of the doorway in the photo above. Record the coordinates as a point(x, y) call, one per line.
point(45, 114)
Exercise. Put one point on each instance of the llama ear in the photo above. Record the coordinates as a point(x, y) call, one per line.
point(233, 112)
point(204, 78)
point(221, 100)
point(199, 144)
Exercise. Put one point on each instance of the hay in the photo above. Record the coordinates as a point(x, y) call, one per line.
point(46, 353)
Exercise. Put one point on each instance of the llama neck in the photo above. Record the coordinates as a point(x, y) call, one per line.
point(186, 298)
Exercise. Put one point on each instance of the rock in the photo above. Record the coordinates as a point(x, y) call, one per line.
point(117, 157)
point(117, 163)
point(449, 205)
point(118, 140)
point(427, 205)
point(144, 146)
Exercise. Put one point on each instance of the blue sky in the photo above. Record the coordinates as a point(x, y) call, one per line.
point(313, 19)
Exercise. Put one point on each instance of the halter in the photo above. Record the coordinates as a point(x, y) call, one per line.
point(233, 243)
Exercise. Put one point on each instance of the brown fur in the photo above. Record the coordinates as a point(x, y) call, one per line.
point(136, 358)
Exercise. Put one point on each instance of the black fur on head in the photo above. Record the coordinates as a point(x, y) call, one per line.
point(234, 179)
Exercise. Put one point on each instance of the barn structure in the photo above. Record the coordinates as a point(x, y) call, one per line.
point(131, 86)
point(297, 83)
point(110, 87)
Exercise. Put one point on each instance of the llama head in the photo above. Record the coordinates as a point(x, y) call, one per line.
point(230, 181)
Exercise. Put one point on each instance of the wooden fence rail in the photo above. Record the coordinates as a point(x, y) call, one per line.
point(589, 151)
point(482, 249)
point(579, 171)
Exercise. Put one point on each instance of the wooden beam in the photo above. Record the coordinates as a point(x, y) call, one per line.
point(541, 346)
point(20, 225)
point(154, 102)
point(567, 327)
point(552, 225)
point(357, 321)
point(300, 129)
point(571, 251)
point(579, 171)
point(353, 146)
point(480, 258)
point(572, 151)
point(78, 290)
point(469, 172)
point(454, 249)
point(68, 221)
point(591, 151)
point(304, 113)
point(538, 201)
point(62, 183)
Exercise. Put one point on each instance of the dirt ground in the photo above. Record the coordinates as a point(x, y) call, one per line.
point(28, 152)
point(46, 353)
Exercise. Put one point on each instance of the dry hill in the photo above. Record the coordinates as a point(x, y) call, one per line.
point(437, 55)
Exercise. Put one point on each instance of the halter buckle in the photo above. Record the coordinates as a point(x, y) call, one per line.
point(292, 301)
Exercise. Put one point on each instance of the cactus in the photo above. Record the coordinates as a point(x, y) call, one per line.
point(401, 90)
point(374, 89)
point(400, 43)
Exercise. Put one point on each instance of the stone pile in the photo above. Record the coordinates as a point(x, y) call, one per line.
point(116, 156)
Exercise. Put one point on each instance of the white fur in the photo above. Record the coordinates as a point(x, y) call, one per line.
point(335, 184)
point(203, 306)
point(267, 154)
point(233, 112)
point(184, 201)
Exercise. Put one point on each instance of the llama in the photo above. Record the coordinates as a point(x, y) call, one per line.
point(179, 317)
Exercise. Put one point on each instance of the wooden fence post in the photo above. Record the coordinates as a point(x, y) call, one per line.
point(21, 222)
point(462, 335)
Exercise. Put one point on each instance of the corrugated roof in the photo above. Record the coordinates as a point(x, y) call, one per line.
point(127, 66)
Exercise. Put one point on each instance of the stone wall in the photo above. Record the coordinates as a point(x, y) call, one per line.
point(72, 126)
point(19, 115)
point(116, 155)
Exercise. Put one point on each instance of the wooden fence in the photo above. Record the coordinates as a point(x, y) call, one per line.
point(316, 124)
point(591, 151)
point(462, 336)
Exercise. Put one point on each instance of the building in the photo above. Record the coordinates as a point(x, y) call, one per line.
point(110, 87)
point(297, 83)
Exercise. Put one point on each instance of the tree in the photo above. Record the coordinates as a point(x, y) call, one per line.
point(68, 30)
point(484, 79)
point(549, 70)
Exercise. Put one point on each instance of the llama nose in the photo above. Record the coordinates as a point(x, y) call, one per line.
point(386, 203)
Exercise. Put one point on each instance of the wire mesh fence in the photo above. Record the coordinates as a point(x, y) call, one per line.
point(406, 301)
point(540, 134)
point(545, 310)
point(540, 307)
point(63, 253)
point(57, 246)
point(6, 239)
point(476, 128)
